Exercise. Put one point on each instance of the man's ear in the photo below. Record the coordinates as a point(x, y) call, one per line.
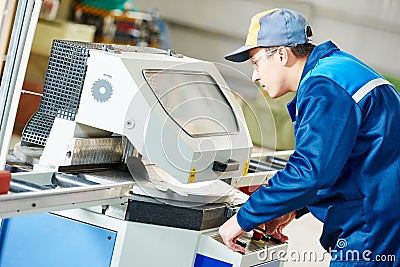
point(283, 54)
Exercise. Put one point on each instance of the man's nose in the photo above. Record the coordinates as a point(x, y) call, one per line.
point(255, 77)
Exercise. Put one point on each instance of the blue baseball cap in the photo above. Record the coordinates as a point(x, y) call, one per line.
point(275, 27)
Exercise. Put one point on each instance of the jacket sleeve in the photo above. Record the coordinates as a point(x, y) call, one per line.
point(326, 130)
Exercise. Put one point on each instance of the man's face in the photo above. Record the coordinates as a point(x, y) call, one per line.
point(269, 71)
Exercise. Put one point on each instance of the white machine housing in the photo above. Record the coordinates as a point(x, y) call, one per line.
point(176, 111)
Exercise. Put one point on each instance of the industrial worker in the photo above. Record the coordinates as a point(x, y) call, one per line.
point(345, 168)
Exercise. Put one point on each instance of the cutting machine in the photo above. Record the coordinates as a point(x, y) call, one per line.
point(162, 128)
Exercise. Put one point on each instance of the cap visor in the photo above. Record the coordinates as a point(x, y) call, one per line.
point(240, 55)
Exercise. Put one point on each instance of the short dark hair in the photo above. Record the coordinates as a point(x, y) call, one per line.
point(302, 50)
point(299, 50)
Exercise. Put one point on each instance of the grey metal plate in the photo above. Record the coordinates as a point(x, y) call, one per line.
point(61, 198)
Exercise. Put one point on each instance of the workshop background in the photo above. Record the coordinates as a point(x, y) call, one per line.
point(208, 30)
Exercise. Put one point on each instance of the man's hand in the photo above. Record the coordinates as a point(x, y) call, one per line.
point(275, 227)
point(230, 231)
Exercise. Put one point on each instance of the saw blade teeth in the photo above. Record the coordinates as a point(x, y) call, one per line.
point(102, 90)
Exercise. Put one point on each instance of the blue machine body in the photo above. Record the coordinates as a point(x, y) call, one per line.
point(52, 240)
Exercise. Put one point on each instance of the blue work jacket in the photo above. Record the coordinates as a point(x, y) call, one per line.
point(346, 165)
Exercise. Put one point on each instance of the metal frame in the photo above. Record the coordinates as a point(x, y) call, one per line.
point(61, 198)
point(259, 177)
point(24, 27)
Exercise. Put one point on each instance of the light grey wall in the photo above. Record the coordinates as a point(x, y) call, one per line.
point(368, 29)
point(208, 29)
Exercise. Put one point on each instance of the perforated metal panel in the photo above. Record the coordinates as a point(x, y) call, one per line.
point(63, 85)
point(61, 91)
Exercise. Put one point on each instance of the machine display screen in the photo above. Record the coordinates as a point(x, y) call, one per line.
point(194, 101)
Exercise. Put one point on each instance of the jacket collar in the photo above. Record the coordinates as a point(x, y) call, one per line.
point(320, 51)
